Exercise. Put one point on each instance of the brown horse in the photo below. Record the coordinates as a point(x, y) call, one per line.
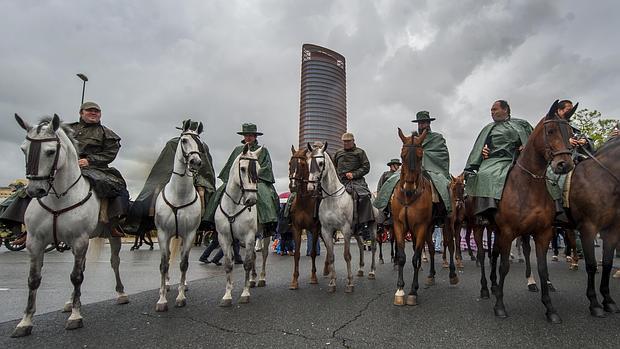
point(302, 210)
point(595, 207)
point(455, 219)
point(526, 206)
point(412, 209)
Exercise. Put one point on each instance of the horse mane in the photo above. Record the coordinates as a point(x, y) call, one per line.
point(608, 146)
point(47, 120)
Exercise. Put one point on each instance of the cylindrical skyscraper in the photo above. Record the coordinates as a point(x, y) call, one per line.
point(323, 99)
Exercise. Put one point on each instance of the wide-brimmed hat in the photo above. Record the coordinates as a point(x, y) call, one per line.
point(90, 105)
point(347, 137)
point(192, 125)
point(394, 162)
point(423, 116)
point(249, 128)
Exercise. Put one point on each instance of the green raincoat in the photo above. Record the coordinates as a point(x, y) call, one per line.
point(503, 138)
point(268, 202)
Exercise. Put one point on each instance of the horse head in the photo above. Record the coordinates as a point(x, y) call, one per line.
point(46, 151)
point(190, 146)
point(298, 170)
point(457, 188)
point(248, 175)
point(554, 144)
point(317, 165)
point(411, 154)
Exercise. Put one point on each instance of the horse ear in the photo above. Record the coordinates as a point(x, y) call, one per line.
point(309, 146)
point(325, 146)
point(571, 112)
point(402, 136)
point(55, 122)
point(200, 128)
point(553, 110)
point(292, 149)
point(257, 151)
point(23, 124)
point(186, 124)
point(453, 178)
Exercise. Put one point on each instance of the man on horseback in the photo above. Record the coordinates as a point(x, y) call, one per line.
point(494, 151)
point(143, 209)
point(97, 148)
point(268, 201)
point(394, 166)
point(352, 165)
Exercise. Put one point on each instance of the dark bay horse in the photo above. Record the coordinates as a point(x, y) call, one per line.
point(412, 210)
point(302, 211)
point(455, 219)
point(595, 207)
point(526, 206)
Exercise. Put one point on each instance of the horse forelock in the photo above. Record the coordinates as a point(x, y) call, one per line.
point(43, 129)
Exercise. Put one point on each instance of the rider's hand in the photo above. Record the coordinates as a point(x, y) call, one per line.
point(485, 152)
point(349, 175)
point(83, 162)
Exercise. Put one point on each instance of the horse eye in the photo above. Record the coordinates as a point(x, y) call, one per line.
point(243, 169)
point(50, 152)
point(184, 140)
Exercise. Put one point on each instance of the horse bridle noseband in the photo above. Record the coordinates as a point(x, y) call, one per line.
point(548, 151)
point(319, 188)
point(412, 163)
point(186, 156)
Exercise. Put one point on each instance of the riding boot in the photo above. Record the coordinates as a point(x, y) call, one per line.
point(116, 231)
point(201, 193)
point(103, 211)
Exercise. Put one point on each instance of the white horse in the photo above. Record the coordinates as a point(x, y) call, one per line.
point(336, 214)
point(64, 208)
point(178, 211)
point(237, 218)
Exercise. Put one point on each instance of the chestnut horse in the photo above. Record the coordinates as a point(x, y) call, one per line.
point(455, 219)
point(595, 207)
point(302, 211)
point(412, 210)
point(526, 206)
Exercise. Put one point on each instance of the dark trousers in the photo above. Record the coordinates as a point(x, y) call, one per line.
point(555, 243)
point(236, 256)
point(213, 245)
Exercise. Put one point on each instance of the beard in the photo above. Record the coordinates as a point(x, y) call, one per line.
point(500, 118)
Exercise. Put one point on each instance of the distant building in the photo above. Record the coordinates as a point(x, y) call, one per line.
point(323, 97)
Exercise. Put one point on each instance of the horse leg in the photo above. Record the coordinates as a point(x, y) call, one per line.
point(430, 280)
point(147, 234)
point(362, 248)
point(381, 252)
point(495, 253)
point(262, 281)
point(610, 242)
point(35, 249)
point(164, 265)
point(420, 236)
point(588, 231)
point(80, 246)
point(227, 249)
point(373, 248)
point(315, 239)
point(329, 259)
point(454, 279)
point(400, 259)
point(502, 248)
point(115, 261)
point(527, 249)
point(445, 243)
point(249, 266)
point(484, 290)
point(188, 241)
point(468, 232)
point(542, 245)
point(297, 236)
point(347, 257)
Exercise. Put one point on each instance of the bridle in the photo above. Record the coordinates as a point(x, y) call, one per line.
point(550, 154)
point(295, 174)
point(253, 178)
point(412, 164)
point(314, 166)
point(186, 155)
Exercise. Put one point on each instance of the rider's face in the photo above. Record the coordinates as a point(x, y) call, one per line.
point(562, 112)
point(348, 144)
point(90, 115)
point(498, 113)
point(249, 138)
point(422, 125)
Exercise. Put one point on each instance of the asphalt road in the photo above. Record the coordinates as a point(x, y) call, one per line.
point(446, 316)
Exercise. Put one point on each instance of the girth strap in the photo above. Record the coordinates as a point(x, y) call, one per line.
point(175, 209)
point(56, 213)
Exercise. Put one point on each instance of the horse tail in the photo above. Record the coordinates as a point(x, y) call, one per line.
point(175, 247)
point(95, 246)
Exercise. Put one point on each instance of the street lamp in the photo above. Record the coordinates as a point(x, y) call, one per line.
point(84, 79)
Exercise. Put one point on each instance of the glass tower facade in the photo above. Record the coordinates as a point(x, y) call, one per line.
point(323, 98)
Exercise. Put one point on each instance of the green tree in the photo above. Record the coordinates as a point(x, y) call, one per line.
point(590, 123)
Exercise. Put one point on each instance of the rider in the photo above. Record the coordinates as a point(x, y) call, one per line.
point(394, 166)
point(493, 153)
point(143, 209)
point(268, 201)
point(97, 148)
point(352, 165)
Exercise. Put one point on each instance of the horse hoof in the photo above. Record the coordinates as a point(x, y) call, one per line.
point(454, 280)
point(225, 303)
point(554, 318)
point(252, 284)
point(22, 331)
point(74, 324)
point(532, 288)
point(597, 312)
point(124, 299)
point(331, 288)
point(313, 280)
point(381, 261)
point(371, 276)
point(611, 308)
point(430, 281)
point(500, 312)
point(445, 265)
point(484, 294)
point(68, 307)
point(244, 300)
point(399, 300)
point(412, 300)
point(360, 273)
point(161, 307)
point(180, 303)
point(262, 283)
point(293, 286)
point(349, 289)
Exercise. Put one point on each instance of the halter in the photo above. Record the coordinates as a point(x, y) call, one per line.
point(295, 167)
point(548, 150)
point(412, 163)
point(314, 166)
point(186, 156)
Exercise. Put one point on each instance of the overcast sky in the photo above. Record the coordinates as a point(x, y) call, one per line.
point(152, 64)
